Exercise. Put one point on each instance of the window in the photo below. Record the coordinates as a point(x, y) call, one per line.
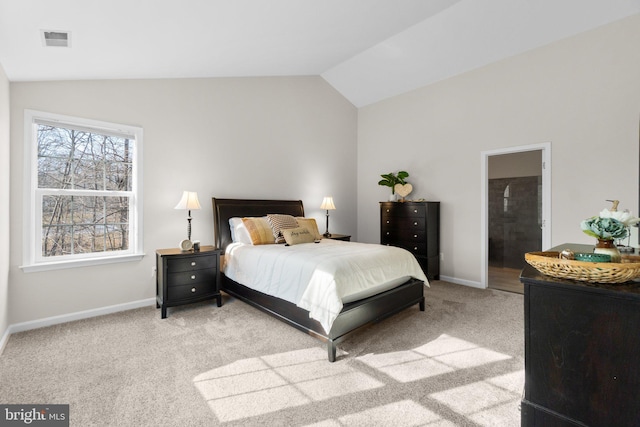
point(84, 183)
point(505, 199)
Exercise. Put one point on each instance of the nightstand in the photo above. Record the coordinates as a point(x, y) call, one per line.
point(342, 237)
point(185, 277)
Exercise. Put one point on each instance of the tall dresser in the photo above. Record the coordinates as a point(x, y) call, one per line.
point(414, 226)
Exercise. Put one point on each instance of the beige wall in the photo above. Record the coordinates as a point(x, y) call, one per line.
point(581, 94)
point(4, 204)
point(290, 138)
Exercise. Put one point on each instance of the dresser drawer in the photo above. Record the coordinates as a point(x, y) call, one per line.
point(413, 235)
point(195, 290)
point(188, 277)
point(191, 263)
point(416, 248)
point(392, 223)
point(404, 210)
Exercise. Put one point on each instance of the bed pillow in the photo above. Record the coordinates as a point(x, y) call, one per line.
point(295, 236)
point(239, 232)
point(280, 222)
point(259, 231)
point(311, 225)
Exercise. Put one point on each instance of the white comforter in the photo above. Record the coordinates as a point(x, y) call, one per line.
point(319, 277)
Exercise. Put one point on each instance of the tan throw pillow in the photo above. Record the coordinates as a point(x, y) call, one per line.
point(280, 222)
point(295, 236)
point(311, 225)
point(259, 231)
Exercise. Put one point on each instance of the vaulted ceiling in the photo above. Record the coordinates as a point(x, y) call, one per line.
point(367, 49)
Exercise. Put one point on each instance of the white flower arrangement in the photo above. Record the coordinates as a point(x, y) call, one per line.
point(624, 216)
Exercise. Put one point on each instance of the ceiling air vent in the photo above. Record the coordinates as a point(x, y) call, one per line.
point(56, 38)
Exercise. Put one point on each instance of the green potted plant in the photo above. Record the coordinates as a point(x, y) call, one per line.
point(391, 179)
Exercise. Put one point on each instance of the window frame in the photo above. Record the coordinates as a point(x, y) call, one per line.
point(32, 225)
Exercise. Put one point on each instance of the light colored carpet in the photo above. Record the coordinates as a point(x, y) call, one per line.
point(459, 363)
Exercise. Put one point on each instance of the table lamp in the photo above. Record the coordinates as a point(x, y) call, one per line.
point(189, 201)
point(327, 203)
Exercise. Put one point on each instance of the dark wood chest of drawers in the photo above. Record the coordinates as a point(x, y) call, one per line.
point(187, 277)
point(582, 351)
point(414, 226)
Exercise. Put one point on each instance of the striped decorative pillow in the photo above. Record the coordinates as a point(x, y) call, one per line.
point(279, 222)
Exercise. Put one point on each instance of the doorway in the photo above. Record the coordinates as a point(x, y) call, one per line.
point(516, 206)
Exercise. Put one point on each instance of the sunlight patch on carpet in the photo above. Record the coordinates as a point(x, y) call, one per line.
point(471, 358)
point(403, 413)
point(443, 355)
point(261, 385)
point(481, 402)
point(415, 370)
point(489, 402)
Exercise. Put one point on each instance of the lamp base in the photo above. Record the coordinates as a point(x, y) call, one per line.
point(327, 234)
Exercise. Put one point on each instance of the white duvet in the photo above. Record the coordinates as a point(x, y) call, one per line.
point(320, 277)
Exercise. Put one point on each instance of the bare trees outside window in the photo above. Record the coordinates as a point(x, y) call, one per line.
point(70, 159)
point(85, 192)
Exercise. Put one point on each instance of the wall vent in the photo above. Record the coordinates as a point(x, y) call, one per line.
point(56, 38)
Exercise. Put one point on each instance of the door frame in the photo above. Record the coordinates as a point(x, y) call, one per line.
point(545, 147)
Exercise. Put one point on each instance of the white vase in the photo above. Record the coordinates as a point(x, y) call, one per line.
point(393, 197)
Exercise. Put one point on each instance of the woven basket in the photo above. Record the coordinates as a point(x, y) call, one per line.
point(551, 264)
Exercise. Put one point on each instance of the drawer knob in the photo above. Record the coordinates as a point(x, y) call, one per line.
point(193, 277)
point(388, 221)
point(415, 248)
point(415, 223)
point(387, 210)
point(388, 233)
point(415, 236)
point(193, 289)
point(193, 263)
point(415, 210)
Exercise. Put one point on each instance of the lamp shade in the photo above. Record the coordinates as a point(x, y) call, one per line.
point(327, 203)
point(189, 201)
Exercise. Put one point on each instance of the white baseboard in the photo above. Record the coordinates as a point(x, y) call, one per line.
point(462, 282)
point(4, 339)
point(54, 320)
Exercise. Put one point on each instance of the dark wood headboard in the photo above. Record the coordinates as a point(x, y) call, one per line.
point(223, 209)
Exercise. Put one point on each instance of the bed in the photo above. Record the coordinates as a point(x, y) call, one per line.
point(353, 315)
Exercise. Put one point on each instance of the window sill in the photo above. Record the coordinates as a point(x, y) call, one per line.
point(59, 265)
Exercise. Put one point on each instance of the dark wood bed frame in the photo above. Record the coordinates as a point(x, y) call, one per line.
point(352, 316)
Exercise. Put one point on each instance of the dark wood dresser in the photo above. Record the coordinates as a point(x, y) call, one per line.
point(414, 226)
point(582, 351)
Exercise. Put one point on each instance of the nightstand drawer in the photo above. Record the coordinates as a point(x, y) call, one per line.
point(176, 293)
point(188, 277)
point(191, 263)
